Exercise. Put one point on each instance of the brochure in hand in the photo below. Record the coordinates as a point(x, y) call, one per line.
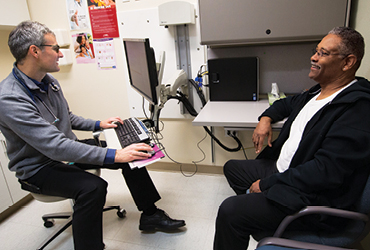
point(142, 163)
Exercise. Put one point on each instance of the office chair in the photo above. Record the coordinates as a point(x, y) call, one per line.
point(348, 236)
point(49, 218)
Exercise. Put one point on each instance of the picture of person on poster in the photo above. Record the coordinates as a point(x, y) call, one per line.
point(77, 13)
point(83, 48)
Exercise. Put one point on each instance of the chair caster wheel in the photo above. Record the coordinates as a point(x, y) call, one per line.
point(121, 213)
point(49, 223)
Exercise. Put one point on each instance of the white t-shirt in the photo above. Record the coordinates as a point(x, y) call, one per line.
point(296, 130)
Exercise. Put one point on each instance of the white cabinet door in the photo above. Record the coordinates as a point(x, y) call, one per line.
point(5, 199)
point(266, 21)
point(16, 193)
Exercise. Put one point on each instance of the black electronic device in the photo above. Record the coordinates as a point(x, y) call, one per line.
point(234, 79)
point(142, 68)
point(132, 131)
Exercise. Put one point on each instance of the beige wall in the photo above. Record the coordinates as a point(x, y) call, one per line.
point(361, 22)
point(101, 94)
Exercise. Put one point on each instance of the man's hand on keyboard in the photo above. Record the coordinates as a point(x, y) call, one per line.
point(110, 122)
point(133, 152)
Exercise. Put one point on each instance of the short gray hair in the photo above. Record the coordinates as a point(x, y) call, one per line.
point(352, 42)
point(27, 33)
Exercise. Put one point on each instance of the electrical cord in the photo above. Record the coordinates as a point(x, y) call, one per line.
point(199, 92)
point(143, 108)
point(195, 162)
point(156, 140)
point(181, 97)
point(236, 138)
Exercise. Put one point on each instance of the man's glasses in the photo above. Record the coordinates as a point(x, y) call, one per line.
point(53, 47)
point(323, 53)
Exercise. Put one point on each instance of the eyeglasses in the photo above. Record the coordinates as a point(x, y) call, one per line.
point(55, 47)
point(323, 53)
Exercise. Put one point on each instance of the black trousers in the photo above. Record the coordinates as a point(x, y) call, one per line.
point(242, 173)
point(242, 215)
point(89, 192)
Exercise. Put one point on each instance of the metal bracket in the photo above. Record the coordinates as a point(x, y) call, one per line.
point(183, 58)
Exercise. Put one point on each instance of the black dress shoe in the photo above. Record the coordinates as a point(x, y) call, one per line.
point(159, 220)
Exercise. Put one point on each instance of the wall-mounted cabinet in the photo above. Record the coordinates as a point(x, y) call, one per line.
point(269, 21)
point(13, 12)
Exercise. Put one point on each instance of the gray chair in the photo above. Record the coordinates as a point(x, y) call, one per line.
point(49, 219)
point(345, 238)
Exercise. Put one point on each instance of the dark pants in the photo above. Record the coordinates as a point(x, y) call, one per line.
point(242, 173)
point(89, 192)
point(240, 216)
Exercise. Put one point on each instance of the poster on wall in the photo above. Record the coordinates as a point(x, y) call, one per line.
point(77, 14)
point(105, 53)
point(83, 47)
point(103, 18)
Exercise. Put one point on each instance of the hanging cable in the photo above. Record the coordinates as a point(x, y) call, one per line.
point(189, 107)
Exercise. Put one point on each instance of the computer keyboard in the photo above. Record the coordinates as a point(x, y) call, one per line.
point(132, 131)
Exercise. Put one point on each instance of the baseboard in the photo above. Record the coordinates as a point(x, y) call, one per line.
point(15, 207)
point(185, 168)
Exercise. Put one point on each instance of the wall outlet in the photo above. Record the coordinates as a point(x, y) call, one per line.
point(230, 133)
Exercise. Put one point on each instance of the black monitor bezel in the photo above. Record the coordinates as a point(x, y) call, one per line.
point(151, 69)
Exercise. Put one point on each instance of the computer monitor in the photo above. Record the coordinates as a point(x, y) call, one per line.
point(142, 68)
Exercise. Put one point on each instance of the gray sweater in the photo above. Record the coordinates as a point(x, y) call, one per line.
point(33, 139)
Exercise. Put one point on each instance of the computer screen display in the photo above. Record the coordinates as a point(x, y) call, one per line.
point(142, 68)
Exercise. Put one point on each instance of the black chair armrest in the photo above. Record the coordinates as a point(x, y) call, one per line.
point(96, 135)
point(319, 210)
point(296, 244)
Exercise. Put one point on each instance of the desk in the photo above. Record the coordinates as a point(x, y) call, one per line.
point(233, 115)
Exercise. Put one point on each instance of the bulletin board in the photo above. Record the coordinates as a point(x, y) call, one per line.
point(145, 24)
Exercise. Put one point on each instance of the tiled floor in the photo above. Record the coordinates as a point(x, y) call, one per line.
point(194, 199)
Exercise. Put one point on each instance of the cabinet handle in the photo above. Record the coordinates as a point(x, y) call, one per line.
point(4, 146)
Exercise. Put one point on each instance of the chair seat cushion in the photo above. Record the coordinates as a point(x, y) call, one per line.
point(47, 198)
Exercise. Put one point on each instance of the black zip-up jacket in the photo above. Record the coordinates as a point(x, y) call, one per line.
point(332, 162)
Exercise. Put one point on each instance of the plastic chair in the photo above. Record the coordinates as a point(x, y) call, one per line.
point(347, 237)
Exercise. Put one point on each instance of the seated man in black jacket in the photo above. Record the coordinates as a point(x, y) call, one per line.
point(320, 155)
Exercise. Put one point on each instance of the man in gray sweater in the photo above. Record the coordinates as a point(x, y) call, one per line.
point(37, 124)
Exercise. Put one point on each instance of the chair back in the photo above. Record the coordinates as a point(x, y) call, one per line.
point(355, 231)
point(363, 205)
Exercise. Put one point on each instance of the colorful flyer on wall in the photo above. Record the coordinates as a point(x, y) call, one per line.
point(103, 18)
point(77, 14)
point(83, 47)
point(105, 53)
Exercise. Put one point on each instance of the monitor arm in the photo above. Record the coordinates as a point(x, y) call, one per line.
point(165, 92)
point(178, 80)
